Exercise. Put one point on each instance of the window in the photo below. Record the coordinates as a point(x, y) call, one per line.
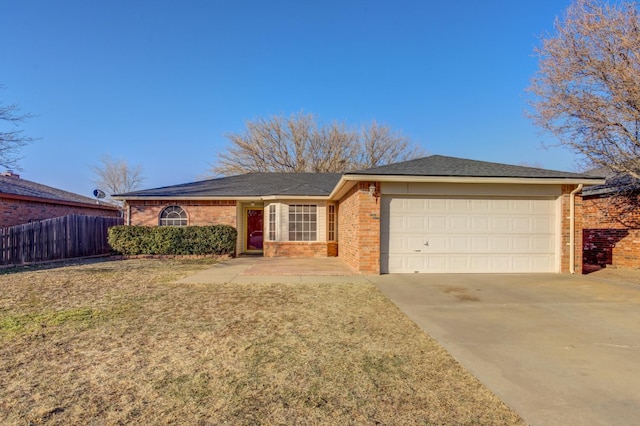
point(303, 221)
point(331, 222)
point(173, 216)
point(272, 222)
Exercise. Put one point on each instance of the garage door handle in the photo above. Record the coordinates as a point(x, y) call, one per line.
point(417, 250)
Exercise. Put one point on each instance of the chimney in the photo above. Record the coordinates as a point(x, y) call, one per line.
point(9, 173)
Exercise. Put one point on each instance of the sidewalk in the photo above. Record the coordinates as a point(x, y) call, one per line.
point(269, 270)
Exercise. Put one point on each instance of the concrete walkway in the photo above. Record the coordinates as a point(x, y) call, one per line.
point(559, 349)
point(257, 269)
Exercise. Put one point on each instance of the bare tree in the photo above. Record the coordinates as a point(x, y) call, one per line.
point(380, 145)
point(587, 89)
point(298, 143)
point(12, 139)
point(116, 176)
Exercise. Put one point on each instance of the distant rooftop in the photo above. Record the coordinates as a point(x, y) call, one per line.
point(12, 184)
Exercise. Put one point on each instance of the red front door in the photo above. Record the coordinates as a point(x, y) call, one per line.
point(255, 226)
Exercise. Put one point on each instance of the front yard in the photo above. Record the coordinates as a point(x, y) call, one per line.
point(118, 342)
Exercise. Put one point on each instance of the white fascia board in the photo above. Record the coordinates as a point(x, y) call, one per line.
point(295, 197)
point(257, 198)
point(341, 188)
point(154, 198)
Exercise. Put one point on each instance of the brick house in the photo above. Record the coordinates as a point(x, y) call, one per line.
point(433, 214)
point(611, 221)
point(23, 201)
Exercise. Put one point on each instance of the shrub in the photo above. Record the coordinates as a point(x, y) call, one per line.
point(168, 240)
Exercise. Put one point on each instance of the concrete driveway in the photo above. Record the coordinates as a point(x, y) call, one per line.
point(558, 349)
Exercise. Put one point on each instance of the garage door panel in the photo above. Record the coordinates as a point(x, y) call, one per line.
point(542, 224)
point(499, 224)
point(480, 243)
point(415, 242)
point(521, 263)
point(397, 244)
point(458, 206)
point(500, 206)
point(455, 243)
point(541, 244)
point(457, 262)
point(416, 224)
point(500, 244)
point(479, 206)
point(501, 262)
point(434, 234)
point(396, 263)
point(436, 223)
point(397, 223)
point(416, 263)
point(480, 263)
point(544, 262)
point(521, 224)
point(458, 224)
point(438, 243)
point(436, 205)
point(438, 263)
point(520, 244)
point(480, 224)
point(520, 206)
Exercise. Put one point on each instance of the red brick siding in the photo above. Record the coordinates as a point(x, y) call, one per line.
point(359, 229)
point(294, 249)
point(607, 239)
point(206, 212)
point(16, 212)
point(332, 249)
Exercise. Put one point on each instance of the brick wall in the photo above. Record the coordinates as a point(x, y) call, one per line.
point(565, 248)
point(611, 231)
point(359, 228)
point(16, 212)
point(205, 212)
point(295, 249)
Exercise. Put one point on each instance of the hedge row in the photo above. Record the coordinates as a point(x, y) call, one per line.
point(180, 240)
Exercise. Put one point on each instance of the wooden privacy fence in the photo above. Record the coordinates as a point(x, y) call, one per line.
point(63, 237)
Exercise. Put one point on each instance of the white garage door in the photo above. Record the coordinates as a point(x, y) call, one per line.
point(468, 235)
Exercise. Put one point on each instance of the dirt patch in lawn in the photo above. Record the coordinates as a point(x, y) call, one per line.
point(119, 342)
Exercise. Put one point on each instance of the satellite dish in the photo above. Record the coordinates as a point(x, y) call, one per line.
point(98, 193)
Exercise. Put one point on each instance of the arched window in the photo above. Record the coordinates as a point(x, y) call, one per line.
point(173, 216)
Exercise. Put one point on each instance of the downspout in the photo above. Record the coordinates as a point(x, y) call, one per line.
point(572, 229)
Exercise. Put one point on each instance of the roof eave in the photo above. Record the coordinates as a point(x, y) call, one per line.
point(211, 198)
point(475, 179)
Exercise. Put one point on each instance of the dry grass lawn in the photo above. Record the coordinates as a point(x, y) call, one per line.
point(118, 342)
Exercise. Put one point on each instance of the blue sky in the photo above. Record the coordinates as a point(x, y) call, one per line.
point(159, 83)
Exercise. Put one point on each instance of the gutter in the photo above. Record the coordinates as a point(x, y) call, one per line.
point(572, 229)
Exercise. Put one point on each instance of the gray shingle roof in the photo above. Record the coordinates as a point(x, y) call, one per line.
point(439, 165)
point(17, 186)
point(616, 183)
point(248, 185)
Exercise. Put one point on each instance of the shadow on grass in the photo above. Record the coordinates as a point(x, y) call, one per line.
point(55, 264)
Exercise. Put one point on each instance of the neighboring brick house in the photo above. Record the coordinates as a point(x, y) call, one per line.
point(23, 201)
point(433, 214)
point(611, 221)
